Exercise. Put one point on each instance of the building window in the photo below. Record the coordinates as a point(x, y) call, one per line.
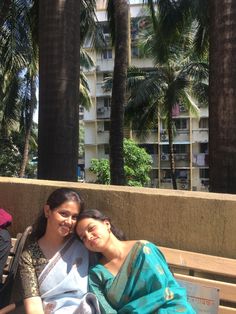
point(136, 1)
point(149, 148)
point(105, 27)
point(106, 125)
point(166, 174)
point(107, 102)
point(203, 147)
point(180, 124)
point(107, 54)
point(204, 173)
point(203, 123)
point(181, 174)
point(180, 149)
point(134, 52)
point(106, 149)
point(106, 75)
point(165, 149)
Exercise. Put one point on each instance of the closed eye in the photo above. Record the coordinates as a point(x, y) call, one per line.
point(92, 228)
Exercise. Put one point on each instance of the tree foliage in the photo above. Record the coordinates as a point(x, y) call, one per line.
point(137, 164)
point(178, 76)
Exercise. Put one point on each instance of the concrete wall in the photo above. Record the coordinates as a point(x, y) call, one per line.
point(195, 221)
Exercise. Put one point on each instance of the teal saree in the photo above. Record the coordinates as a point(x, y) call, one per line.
point(143, 285)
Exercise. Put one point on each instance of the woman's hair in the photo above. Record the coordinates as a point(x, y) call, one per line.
point(55, 199)
point(97, 215)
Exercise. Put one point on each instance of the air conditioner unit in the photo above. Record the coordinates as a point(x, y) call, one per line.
point(184, 157)
point(182, 108)
point(184, 187)
point(107, 37)
point(100, 110)
point(164, 137)
point(164, 157)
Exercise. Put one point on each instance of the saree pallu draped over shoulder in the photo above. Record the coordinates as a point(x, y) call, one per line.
point(143, 285)
point(63, 283)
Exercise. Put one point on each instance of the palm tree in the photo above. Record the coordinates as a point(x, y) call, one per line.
point(59, 67)
point(59, 72)
point(119, 21)
point(222, 95)
point(18, 65)
point(174, 16)
point(18, 55)
point(177, 77)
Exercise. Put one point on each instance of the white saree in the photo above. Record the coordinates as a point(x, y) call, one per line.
point(63, 283)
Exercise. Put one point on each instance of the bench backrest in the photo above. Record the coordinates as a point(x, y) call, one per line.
point(207, 270)
point(11, 267)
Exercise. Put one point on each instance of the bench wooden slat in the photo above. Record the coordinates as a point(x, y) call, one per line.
point(227, 290)
point(226, 310)
point(11, 269)
point(201, 262)
point(197, 267)
point(8, 262)
point(13, 243)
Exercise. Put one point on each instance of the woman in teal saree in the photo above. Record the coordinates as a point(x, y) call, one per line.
point(131, 276)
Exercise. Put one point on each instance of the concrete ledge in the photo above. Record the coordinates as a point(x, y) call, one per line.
point(194, 221)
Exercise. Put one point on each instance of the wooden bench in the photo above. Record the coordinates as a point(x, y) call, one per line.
point(14, 244)
point(10, 269)
point(206, 270)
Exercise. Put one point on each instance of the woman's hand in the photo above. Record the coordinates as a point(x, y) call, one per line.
point(33, 305)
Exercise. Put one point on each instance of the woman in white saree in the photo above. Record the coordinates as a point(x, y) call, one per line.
point(54, 267)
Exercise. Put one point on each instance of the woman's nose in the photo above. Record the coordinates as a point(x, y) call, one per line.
point(88, 236)
point(69, 220)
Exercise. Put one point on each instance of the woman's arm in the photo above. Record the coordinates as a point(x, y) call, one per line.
point(32, 300)
point(33, 305)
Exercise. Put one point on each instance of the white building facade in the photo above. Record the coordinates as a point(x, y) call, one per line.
point(191, 137)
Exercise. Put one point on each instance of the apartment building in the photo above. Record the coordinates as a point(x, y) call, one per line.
point(191, 136)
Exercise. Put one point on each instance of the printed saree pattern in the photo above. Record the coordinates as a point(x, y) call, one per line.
point(143, 285)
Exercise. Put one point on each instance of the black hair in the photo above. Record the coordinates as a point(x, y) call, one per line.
point(98, 215)
point(55, 199)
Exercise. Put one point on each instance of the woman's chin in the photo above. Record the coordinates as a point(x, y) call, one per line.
point(64, 231)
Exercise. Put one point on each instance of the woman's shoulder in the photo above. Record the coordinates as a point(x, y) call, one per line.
point(145, 243)
point(77, 244)
point(32, 251)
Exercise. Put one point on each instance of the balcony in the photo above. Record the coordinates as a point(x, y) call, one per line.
point(103, 113)
point(151, 137)
point(200, 136)
point(182, 184)
point(100, 90)
point(105, 65)
point(200, 160)
point(102, 137)
point(181, 136)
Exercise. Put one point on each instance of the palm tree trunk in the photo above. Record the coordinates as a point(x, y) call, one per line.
point(222, 96)
point(119, 93)
point(171, 149)
point(59, 69)
point(28, 127)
